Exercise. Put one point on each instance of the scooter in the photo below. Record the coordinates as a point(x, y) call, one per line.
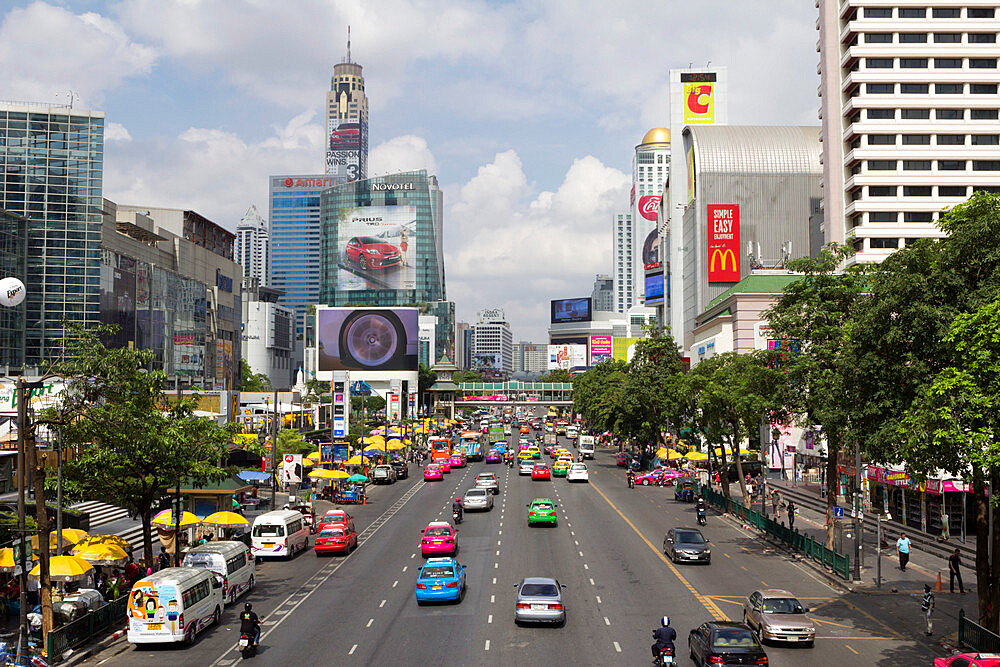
point(666, 656)
point(701, 516)
point(457, 516)
point(631, 481)
point(248, 648)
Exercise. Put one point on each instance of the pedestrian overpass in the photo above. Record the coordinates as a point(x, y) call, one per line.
point(449, 396)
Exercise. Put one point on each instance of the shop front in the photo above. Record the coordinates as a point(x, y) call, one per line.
point(933, 506)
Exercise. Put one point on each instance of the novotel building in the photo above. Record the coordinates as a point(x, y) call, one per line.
point(752, 202)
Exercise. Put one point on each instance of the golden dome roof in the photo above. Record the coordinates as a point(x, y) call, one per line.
point(658, 135)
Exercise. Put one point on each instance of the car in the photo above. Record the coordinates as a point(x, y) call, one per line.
point(687, 545)
point(445, 465)
point(335, 516)
point(525, 455)
point(621, 460)
point(370, 253)
point(778, 616)
point(539, 600)
point(433, 472)
point(578, 473)
point(560, 468)
point(541, 471)
point(488, 481)
point(549, 428)
point(335, 538)
point(478, 499)
point(440, 579)
point(969, 660)
point(653, 477)
point(725, 643)
point(383, 474)
point(493, 456)
point(402, 470)
point(439, 537)
point(525, 429)
point(535, 452)
point(457, 461)
point(525, 467)
point(542, 510)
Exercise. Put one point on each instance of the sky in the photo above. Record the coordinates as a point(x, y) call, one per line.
point(528, 112)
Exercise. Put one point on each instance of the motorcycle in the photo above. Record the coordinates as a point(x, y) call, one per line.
point(631, 481)
point(666, 656)
point(457, 516)
point(701, 516)
point(247, 647)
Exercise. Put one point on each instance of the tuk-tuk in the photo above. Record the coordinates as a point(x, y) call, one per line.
point(685, 490)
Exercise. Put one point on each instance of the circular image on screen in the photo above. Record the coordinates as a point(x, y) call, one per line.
point(372, 340)
point(651, 249)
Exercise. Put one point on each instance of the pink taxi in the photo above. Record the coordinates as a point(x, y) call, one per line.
point(433, 472)
point(440, 538)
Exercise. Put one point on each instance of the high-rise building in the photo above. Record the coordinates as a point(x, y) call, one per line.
point(910, 121)
point(492, 345)
point(13, 260)
point(530, 357)
point(623, 281)
point(52, 160)
point(347, 121)
point(650, 170)
point(268, 334)
point(602, 297)
point(253, 246)
point(463, 345)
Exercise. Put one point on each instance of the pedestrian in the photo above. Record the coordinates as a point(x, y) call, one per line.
point(162, 561)
point(791, 514)
point(775, 501)
point(903, 551)
point(927, 608)
point(945, 532)
point(954, 563)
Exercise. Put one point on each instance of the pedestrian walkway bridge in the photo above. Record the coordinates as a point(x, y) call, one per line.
point(449, 395)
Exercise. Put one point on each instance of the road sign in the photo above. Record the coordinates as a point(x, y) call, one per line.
point(838, 512)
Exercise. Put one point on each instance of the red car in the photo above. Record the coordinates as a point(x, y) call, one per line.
point(457, 461)
point(334, 517)
point(621, 460)
point(439, 538)
point(444, 464)
point(969, 660)
point(433, 472)
point(653, 477)
point(372, 253)
point(540, 471)
point(336, 538)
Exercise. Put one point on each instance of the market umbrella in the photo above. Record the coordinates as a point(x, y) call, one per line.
point(65, 568)
point(323, 473)
point(102, 539)
point(225, 519)
point(662, 453)
point(7, 561)
point(71, 536)
point(103, 554)
point(166, 519)
point(674, 454)
point(396, 445)
point(355, 460)
point(375, 448)
point(314, 455)
point(696, 456)
point(357, 478)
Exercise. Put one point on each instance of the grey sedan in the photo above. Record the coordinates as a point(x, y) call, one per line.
point(488, 481)
point(539, 600)
point(477, 499)
point(686, 545)
point(525, 467)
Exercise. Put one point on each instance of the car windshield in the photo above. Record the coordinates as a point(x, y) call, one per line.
point(334, 518)
point(437, 532)
point(332, 532)
point(479, 493)
point(688, 537)
point(485, 478)
point(540, 590)
point(542, 506)
point(368, 240)
point(437, 572)
point(268, 531)
point(782, 606)
point(579, 466)
point(733, 638)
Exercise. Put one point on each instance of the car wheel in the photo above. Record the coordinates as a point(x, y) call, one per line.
point(217, 617)
point(645, 482)
point(420, 603)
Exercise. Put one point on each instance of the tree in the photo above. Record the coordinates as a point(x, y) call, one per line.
point(132, 440)
point(466, 376)
point(597, 394)
point(810, 319)
point(253, 381)
point(290, 441)
point(425, 378)
point(557, 375)
point(650, 401)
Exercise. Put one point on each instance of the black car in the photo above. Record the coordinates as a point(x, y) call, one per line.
point(402, 470)
point(726, 643)
point(687, 545)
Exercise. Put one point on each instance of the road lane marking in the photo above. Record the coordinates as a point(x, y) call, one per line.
point(487, 645)
point(489, 619)
point(496, 566)
point(705, 601)
point(413, 555)
point(353, 649)
point(395, 583)
point(617, 647)
point(493, 599)
point(370, 621)
point(585, 566)
point(851, 649)
point(494, 581)
point(404, 567)
point(606, 621)
point(598, 599)
point(382, 604)
point(581, 553)
point(592, 582)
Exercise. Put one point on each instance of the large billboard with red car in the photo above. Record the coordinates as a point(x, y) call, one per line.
point(377, 248)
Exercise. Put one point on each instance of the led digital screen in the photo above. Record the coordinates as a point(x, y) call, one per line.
point(571, 310)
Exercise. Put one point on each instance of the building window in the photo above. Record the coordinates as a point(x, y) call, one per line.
point(918, 216)
point(946, 12)
point(951, 191)
point(878, 38)
point(916, 165)
point(914, 114)
point(881, 191)
point(985, 140)
point(982, 38)
point(916, 139)
point(983, 88)
point(878, 12)
point(992, 189)
point(880, 88)
point(881, 165)
point(951, 165)
point(913, 38)
point(983, 114)
point(914, 88)
point(980, 13)
point(882, 216)
point(949, 114)
point(948, 37)
point(881, 139)
point(916, 191)
point(951, 140)
point(982, 63)
point(948, 88)
point(881, 114)
point(947, 63)
point(883, 243)
point(986, 165)
point(913, 63)
point(912, 12)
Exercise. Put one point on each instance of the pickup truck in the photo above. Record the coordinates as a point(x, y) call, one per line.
point(383, 474)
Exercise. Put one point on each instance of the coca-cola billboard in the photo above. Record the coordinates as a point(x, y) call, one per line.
point(648, 206)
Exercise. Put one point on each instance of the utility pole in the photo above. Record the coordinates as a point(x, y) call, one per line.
point(22, 578)
point(858, 516)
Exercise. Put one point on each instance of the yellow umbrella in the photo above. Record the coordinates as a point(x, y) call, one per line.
point(315, 455)
point(374, 448)
point(7, 562)
point(103, 554)
point(166, 519)
point(662, 453)
point(323, 473)
point(102, 539)
point(396, 445)
point(674, 454)
point(696, 456)
point(355, 461)
point(70, 537)
point(65, 568)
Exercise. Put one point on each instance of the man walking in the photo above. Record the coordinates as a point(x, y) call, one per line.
point(954, 563)
point(927, 607)
point(903, 551)
point(775, 502)
point(791, 514)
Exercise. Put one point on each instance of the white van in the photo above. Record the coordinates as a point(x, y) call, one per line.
point(586, 447)
point(230, 560)
point(173, 605)
point(279, 533)
point(572, 432)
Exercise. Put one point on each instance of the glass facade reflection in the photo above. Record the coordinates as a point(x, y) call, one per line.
point(13, 246)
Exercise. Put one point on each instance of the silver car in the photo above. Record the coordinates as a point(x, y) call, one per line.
point(539, 600)
point(488, 481)
point(525, 467)
point(777, 616)
point(477, 499)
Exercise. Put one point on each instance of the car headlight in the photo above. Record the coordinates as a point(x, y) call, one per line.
point(371, 251)
point(707, 552)
point(811, 630)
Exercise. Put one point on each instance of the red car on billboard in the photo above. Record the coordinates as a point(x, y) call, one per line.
point(372, 253)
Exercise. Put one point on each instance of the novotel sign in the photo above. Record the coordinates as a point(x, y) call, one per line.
point(393, 186)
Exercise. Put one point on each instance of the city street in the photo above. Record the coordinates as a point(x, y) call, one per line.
point(605, 550)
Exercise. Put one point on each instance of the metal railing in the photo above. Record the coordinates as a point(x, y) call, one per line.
point(976, 636)
point(791, 537)
point(84, 630)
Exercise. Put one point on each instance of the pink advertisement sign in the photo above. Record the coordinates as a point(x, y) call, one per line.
point(600, 349)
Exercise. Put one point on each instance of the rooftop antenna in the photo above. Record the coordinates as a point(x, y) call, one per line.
point(348, 43)
point(71, 95)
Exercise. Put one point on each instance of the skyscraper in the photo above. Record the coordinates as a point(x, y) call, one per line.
point(650, 170)
point(492, 345)
point(623, 285)
point(253, 246)
point(347, 120)
point(910, 119)
point(602, 297)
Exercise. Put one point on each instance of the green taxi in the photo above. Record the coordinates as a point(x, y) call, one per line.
point(542, 510)
point(561, 467)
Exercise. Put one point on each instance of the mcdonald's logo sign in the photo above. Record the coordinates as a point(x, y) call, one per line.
point(723, 243)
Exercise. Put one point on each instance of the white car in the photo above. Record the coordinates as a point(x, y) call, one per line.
point(578, 473)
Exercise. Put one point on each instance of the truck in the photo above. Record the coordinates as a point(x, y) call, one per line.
point(586, 445)
point(496, 434)
point(550, 439)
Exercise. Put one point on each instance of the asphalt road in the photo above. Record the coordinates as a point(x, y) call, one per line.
point(606, 550)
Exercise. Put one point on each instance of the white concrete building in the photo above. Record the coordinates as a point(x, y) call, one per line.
point(492, 344)
point(268, 333)
point(910, 116)
point(253, 245)
point(623, 281)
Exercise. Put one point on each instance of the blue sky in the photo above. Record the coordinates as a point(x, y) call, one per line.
point(528, 112)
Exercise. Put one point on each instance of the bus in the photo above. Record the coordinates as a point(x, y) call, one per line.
point(470, 444)
point(440, 448)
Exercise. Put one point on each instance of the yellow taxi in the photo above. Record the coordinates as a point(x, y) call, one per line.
point(535, 452)
point(525, 455)
point(561, 467)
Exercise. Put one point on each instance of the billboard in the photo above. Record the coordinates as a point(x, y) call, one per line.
point(622, 349)
point(489, 362)
point(600, 349)
point(654, 287)
point(699, 102)
point(567, 356)
point(571, 310)
point(347, 148)
point(367, 339)
point(723, 243)
point(291, 469)
point(376, 248)
point(649, 206)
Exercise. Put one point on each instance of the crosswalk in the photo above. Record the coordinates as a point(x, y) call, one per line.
point(102, 513)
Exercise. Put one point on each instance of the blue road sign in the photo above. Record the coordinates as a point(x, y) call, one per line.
point(838, 511)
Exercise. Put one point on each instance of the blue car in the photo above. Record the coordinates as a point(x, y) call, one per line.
point(440, 579)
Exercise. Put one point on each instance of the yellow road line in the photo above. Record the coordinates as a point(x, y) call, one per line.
point(705, 601)
point(895, 634)
point(719, 598)
point(851, 649)
point(825, 622)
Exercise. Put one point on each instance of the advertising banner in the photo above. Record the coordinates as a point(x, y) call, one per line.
point(622, 349)
point(347, 148)
point(723, 243)
point(340, 452)
point(567, 356)
point(377, 248)
point(488, 362)
point(600, 349)
point(571, 310)
point(649, 206)
point(654, 288)
point(291, 469)
point(367, 339)
point(325, 453)
point(699, 103)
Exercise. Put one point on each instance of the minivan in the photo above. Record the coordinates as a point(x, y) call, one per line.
point(279, 533)
point(230, 560)
point(173, 605)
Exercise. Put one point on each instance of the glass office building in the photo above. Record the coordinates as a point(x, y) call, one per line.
point(51, 162)
point(13, 258)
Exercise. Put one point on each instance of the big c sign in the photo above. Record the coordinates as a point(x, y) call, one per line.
point(723, 243)
point(648, 206)
point(699, 103)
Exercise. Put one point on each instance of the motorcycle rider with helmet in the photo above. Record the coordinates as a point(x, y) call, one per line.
point(250, 623)
point(664, 636)
point(456, 506)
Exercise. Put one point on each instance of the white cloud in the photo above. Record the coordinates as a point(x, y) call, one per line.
point(45, 50)
point(116, 132)
point(406, 153)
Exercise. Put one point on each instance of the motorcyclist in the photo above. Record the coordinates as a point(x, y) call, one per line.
point(700, 509)
point(250, 623)
point(630, 477)
point(456, 506)
point(664, 636)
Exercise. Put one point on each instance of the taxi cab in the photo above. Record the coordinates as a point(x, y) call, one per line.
point(560, 467)
point(535, 452)
point(440, 579)
point(525, 455)
point(540, 471)
point(336, 516)
point(457, 461)
point(439, 537)
point(433, 472)
point(444, 464)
